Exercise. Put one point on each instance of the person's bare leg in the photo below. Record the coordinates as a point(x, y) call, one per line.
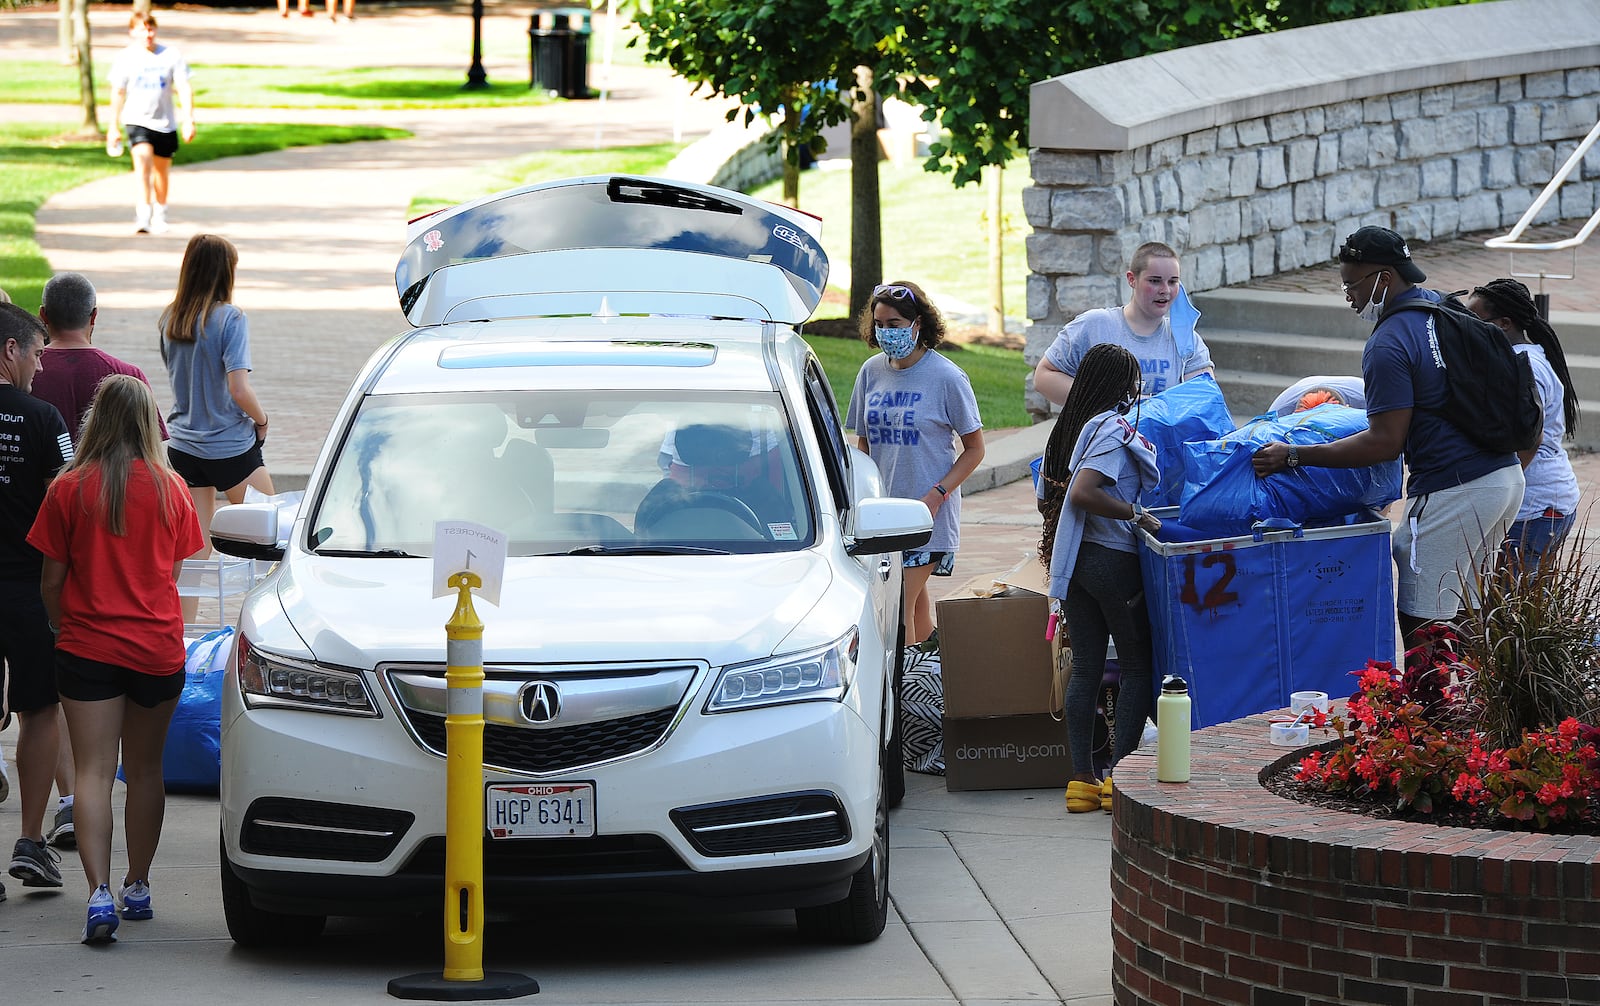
point(160, 173)
point(260, 480)
point(64, 766)
point(95, 729)
point(919, 610)
point(144, 735)
point(38, 736)
point(143, 170)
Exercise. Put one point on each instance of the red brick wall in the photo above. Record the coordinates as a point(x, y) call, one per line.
point(1223, 893)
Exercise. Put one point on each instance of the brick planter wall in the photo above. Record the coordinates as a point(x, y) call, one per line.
point(1224, 893)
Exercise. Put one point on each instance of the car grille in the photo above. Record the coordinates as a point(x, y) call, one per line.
point(568, 857)
point(768, 824)
point(306, 829)
point(515, 749)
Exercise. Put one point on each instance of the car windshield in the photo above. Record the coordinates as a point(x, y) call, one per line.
point(568, 472)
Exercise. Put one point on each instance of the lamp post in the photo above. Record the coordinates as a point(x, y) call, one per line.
point(477, 80)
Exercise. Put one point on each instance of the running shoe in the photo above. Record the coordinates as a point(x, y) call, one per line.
point(158, 219)
point(141, 219)
point(101, 925)
point(5, 780)
point(62, 835)
point(34, 863)
point(134, 900)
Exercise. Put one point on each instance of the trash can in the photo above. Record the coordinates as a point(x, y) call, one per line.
point(558, 58)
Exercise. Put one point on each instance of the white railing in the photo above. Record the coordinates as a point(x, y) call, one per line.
point(1511, 242)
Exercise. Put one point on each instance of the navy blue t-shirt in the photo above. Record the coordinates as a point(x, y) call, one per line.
point(1403, 369)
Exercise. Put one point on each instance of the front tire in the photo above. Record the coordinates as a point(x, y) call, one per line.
point(255, 927)
point(861, 915)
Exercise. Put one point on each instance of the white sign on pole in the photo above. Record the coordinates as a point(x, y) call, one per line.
point(462, 546)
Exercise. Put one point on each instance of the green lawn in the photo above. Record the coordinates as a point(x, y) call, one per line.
point(32, 81)
point(37, 161)
point(933, 233)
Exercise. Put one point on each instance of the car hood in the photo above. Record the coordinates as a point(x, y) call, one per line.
point(567, 609)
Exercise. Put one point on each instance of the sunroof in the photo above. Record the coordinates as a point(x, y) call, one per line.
point(580, 354)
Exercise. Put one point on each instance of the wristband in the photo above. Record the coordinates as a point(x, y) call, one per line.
point(942, 490)
point(55, 630)
point(262, 423)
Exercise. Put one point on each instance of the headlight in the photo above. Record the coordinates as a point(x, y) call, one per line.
point(822, 674)
point(272, 681)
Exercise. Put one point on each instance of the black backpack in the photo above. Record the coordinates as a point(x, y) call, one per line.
point(1489, 390)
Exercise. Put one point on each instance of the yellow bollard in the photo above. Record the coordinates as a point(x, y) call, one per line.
point(463, 976)
point(463, 829)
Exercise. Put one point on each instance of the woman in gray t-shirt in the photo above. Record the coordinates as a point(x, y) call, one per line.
point(914, 412)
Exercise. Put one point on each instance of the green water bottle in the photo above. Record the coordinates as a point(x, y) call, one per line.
point(1172, 731)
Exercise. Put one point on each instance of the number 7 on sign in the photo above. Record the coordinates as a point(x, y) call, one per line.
point(459, 546)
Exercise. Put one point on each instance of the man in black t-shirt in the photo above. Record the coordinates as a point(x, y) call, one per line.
point(34, 445)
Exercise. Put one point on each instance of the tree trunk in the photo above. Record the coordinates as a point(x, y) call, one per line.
point(866, 234)
point(64, 11)
point(993, 174)
point(80, 15)
point(791, 157)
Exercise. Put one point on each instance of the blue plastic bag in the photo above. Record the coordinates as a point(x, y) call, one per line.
point(192, 760)
point(1187, 412)
point(1222, 495)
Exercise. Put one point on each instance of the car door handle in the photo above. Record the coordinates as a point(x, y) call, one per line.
point(885, 566)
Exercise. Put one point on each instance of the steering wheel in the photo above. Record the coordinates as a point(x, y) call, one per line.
point(732, 504)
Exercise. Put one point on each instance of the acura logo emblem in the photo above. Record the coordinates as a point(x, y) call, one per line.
point(541, 701)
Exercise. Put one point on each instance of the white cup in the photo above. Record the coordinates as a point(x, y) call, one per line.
point(114, 147)
point(1299, 702)
point(1289, 735)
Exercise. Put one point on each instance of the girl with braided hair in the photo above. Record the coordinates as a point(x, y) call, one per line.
point(1546, 515)
point(1095, 466)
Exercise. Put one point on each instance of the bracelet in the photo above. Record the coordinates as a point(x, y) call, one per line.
point(262, 423)
point(942, 490)
point(55, 630)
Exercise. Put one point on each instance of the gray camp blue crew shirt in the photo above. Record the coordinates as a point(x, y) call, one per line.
point(912, 420)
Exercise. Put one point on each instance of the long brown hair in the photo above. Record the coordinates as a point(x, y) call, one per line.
point(204, 280)
point(121, 428)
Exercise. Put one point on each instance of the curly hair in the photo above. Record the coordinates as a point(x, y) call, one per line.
point(911, 302)
point(1104, 376)
point(1512, 301)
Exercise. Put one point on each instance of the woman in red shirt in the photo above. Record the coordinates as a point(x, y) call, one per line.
point(114, 529)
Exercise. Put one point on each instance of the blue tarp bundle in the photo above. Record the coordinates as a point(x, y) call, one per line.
point(1223, 495)
point(1191, 411)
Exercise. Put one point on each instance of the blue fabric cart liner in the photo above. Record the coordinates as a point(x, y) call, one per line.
point(1246, 620)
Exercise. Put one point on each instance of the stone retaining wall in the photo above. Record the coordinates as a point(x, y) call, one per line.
point(1256, 156)
point(1224, 893)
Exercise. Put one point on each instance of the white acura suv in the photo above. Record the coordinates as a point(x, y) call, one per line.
point(692, 666)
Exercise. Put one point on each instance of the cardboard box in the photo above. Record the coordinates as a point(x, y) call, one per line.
point(994, 658)
point(1006, 752)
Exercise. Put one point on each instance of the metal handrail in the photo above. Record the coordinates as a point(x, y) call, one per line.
point(1512, 245)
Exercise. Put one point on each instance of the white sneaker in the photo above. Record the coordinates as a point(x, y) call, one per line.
point(158, 219)
point(141, 219)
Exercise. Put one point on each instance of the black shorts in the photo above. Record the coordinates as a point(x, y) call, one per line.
point(27, 645)
point(223, 473)
point(161, 144)
point(84, 680)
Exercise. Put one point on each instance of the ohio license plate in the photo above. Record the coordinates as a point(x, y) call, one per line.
point(540, 810)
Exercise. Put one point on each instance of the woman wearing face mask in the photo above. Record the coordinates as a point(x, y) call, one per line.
point(909, 407)
point(1095, 466)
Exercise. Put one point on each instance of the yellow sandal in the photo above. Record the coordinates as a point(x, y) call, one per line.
point(1082, 797)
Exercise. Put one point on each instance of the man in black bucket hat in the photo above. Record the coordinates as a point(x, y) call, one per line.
point(1461, 498)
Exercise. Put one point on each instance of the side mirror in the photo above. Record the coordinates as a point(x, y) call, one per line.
point(887, 524)
point(248, 531)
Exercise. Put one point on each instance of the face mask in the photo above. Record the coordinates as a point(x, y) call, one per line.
point(1374, 308)
point(897, 343)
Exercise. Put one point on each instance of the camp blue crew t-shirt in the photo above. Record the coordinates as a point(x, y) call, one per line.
point(205, 421)
point(911, 420)
point(1403, 369)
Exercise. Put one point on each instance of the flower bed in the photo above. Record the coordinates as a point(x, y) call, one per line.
point(1225, 893)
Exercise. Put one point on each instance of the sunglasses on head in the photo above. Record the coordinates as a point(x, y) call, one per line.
point(894, 292)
